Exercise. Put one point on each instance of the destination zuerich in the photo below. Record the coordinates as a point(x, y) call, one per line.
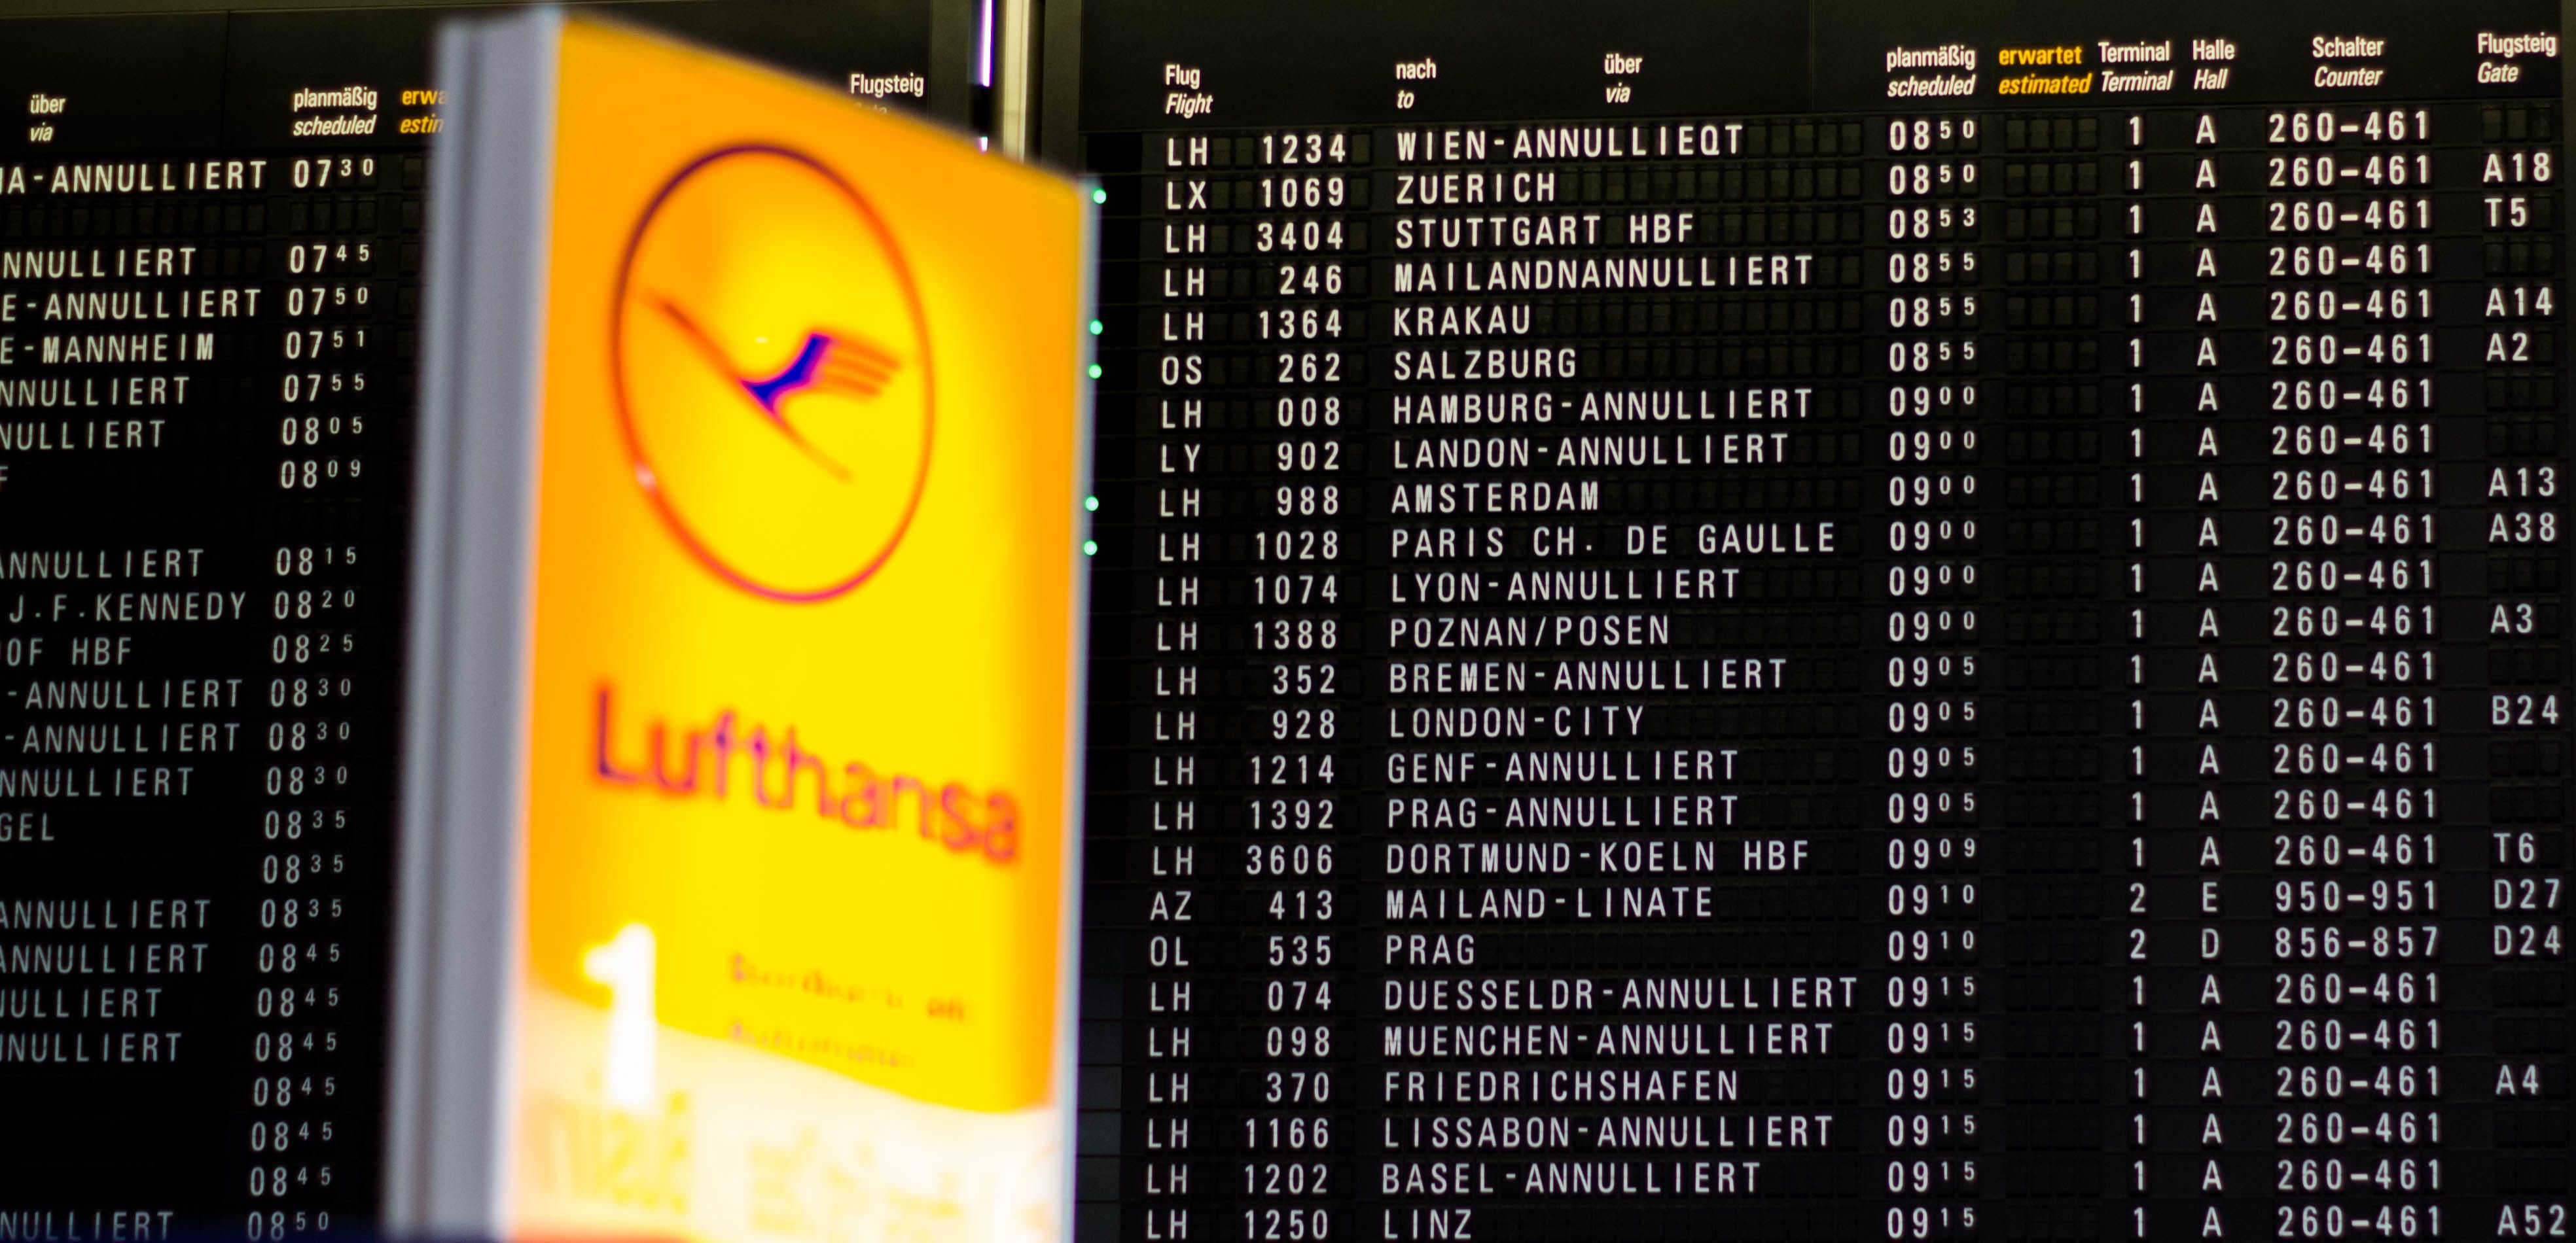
point(1605, 449)
point(1577, 273)
point(1473, 188)
point(1554, 586)
point(1502, 1133)
point(142, 177)
point(1474, 145)
point(1408, 409)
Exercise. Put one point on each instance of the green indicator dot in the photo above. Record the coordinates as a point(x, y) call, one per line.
point(1091, 504)
point(1099, 196)
point(1090, 547)
point(1095, 327)
point(1095, 371)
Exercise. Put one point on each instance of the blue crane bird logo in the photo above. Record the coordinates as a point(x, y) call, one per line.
point(825, 363)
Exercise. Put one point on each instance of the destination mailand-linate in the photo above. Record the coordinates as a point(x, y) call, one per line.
point(1935, 624)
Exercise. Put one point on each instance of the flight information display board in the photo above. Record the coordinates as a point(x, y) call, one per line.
point(1837, 620)
point(210, 258)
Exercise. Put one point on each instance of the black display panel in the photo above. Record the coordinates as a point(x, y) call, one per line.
point(1836, 620)
point(210, 259)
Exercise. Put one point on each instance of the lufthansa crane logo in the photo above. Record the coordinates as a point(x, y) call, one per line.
point(771, 369)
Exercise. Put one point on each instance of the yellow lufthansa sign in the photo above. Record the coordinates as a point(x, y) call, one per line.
point(801, 683)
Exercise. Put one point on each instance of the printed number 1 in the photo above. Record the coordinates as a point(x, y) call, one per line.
point(626, 965)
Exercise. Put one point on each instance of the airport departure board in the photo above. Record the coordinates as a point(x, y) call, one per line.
point(1825, 620)
point(210, 280)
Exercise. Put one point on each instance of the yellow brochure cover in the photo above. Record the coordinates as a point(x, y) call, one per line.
point(801, 666)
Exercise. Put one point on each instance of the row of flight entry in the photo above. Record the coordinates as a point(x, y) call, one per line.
point(2203, 176)
point(1943, 135)
point(1337, 191)
point(2308, 215)
point(1951, 265)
